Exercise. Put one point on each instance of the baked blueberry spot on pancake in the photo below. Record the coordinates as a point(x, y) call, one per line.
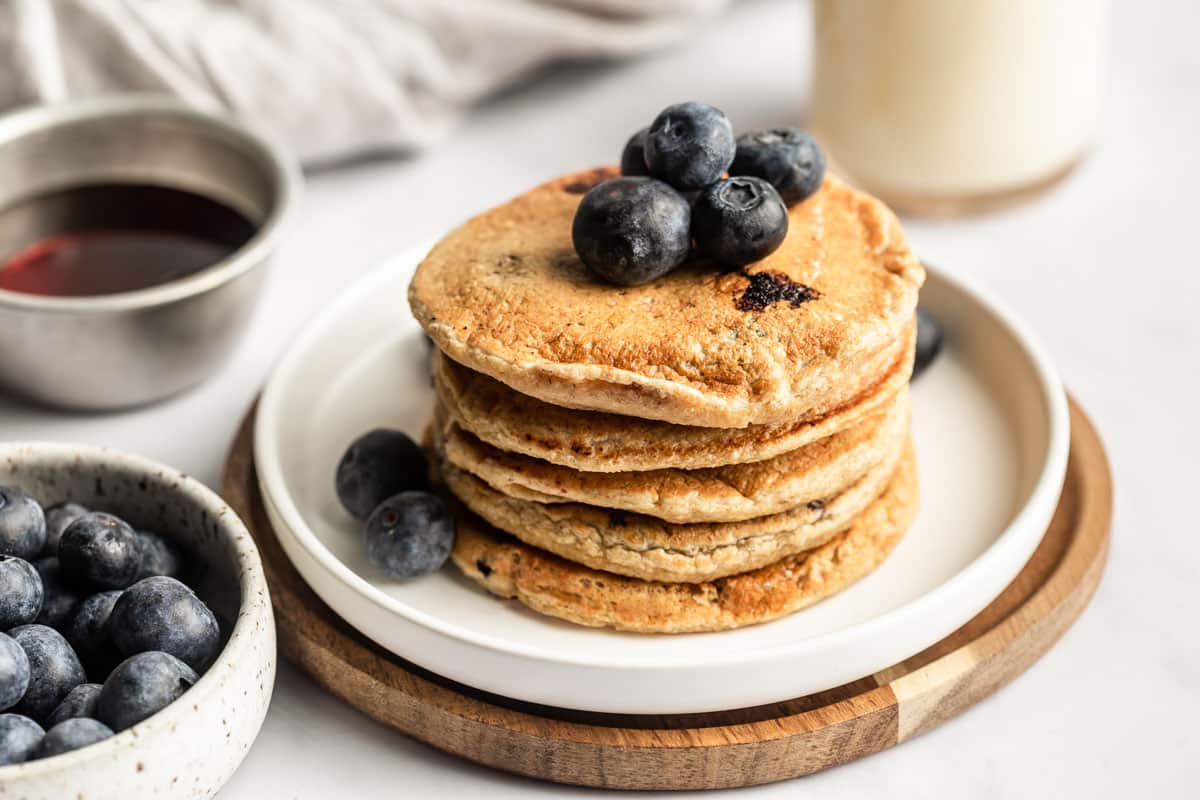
point(768, 288)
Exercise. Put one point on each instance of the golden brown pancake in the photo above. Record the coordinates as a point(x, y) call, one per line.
point(649, 548)
point(794, 336)
point(595, 441)
point(732, 493)
point(560, 588)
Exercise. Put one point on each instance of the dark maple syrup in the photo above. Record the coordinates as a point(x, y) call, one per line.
point(109, 238)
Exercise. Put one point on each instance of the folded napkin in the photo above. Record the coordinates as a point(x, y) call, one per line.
point(333, 78)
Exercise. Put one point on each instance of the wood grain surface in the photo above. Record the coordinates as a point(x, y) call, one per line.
point(714, 750)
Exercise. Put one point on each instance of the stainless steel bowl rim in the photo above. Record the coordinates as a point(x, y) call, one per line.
point(284, 172)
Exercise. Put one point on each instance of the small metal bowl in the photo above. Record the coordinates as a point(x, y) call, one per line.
point(119, 350)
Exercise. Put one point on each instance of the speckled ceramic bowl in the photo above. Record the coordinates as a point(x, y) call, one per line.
point(191, 748)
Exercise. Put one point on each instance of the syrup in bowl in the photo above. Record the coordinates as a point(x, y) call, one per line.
point(110, 238)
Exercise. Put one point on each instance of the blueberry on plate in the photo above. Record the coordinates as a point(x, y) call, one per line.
point(157, 556)
point(86, 630)
point(633, 157)
point(71, 734)
point(690, 145)
point(376, 466)
point(929, 341)
point(54, 669)
point(410, 534)
point(22, 524)
point(632, 230)
point(58, 517)
point(141, 686)
point(99, 550)
point(14, 672)
point(19, 738)
point(739, 220)
point(163, 614)
point(58, 599)
point(20, 592)
point(787, 158)
point(79, 702)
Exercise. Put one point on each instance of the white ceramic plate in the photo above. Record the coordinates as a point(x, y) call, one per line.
point(991, 428)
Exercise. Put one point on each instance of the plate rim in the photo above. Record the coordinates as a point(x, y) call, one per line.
point(1043, 495)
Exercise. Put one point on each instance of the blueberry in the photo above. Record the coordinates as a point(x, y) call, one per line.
point(86, 630)
point(79, 702)
point(633, 157)
point(157, 556)
point(739, 220)
point(787, 158)
point(410, 534)
point(71, 734)
point(929, 341)
point(632, 230)
point(54, 669)
point(141, 686)
point(22, 524)
point(20, 592)
point(58, 517)
point(14, 672)
point(689, 145)
point(163, 614)
point(99, 550)
point(58, 599)
point(376, 466)
point(19, 738)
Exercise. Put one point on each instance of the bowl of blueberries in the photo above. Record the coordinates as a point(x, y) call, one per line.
point(137, 643)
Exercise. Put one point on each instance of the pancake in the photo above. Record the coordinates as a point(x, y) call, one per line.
point(717, 494)
point(797, 335)
point(594, 441)
point(559, 588)
point(645, 547)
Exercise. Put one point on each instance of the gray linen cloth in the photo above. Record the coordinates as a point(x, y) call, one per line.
point(332, 78)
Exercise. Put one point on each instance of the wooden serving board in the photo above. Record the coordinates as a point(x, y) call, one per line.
point(715, 750)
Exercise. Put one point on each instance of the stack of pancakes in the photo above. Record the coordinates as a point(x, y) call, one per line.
point(707, 451)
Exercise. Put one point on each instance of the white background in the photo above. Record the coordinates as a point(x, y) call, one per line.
point(1105, 268)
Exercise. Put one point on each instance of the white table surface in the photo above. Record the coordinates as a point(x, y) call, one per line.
point(1104, 268)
